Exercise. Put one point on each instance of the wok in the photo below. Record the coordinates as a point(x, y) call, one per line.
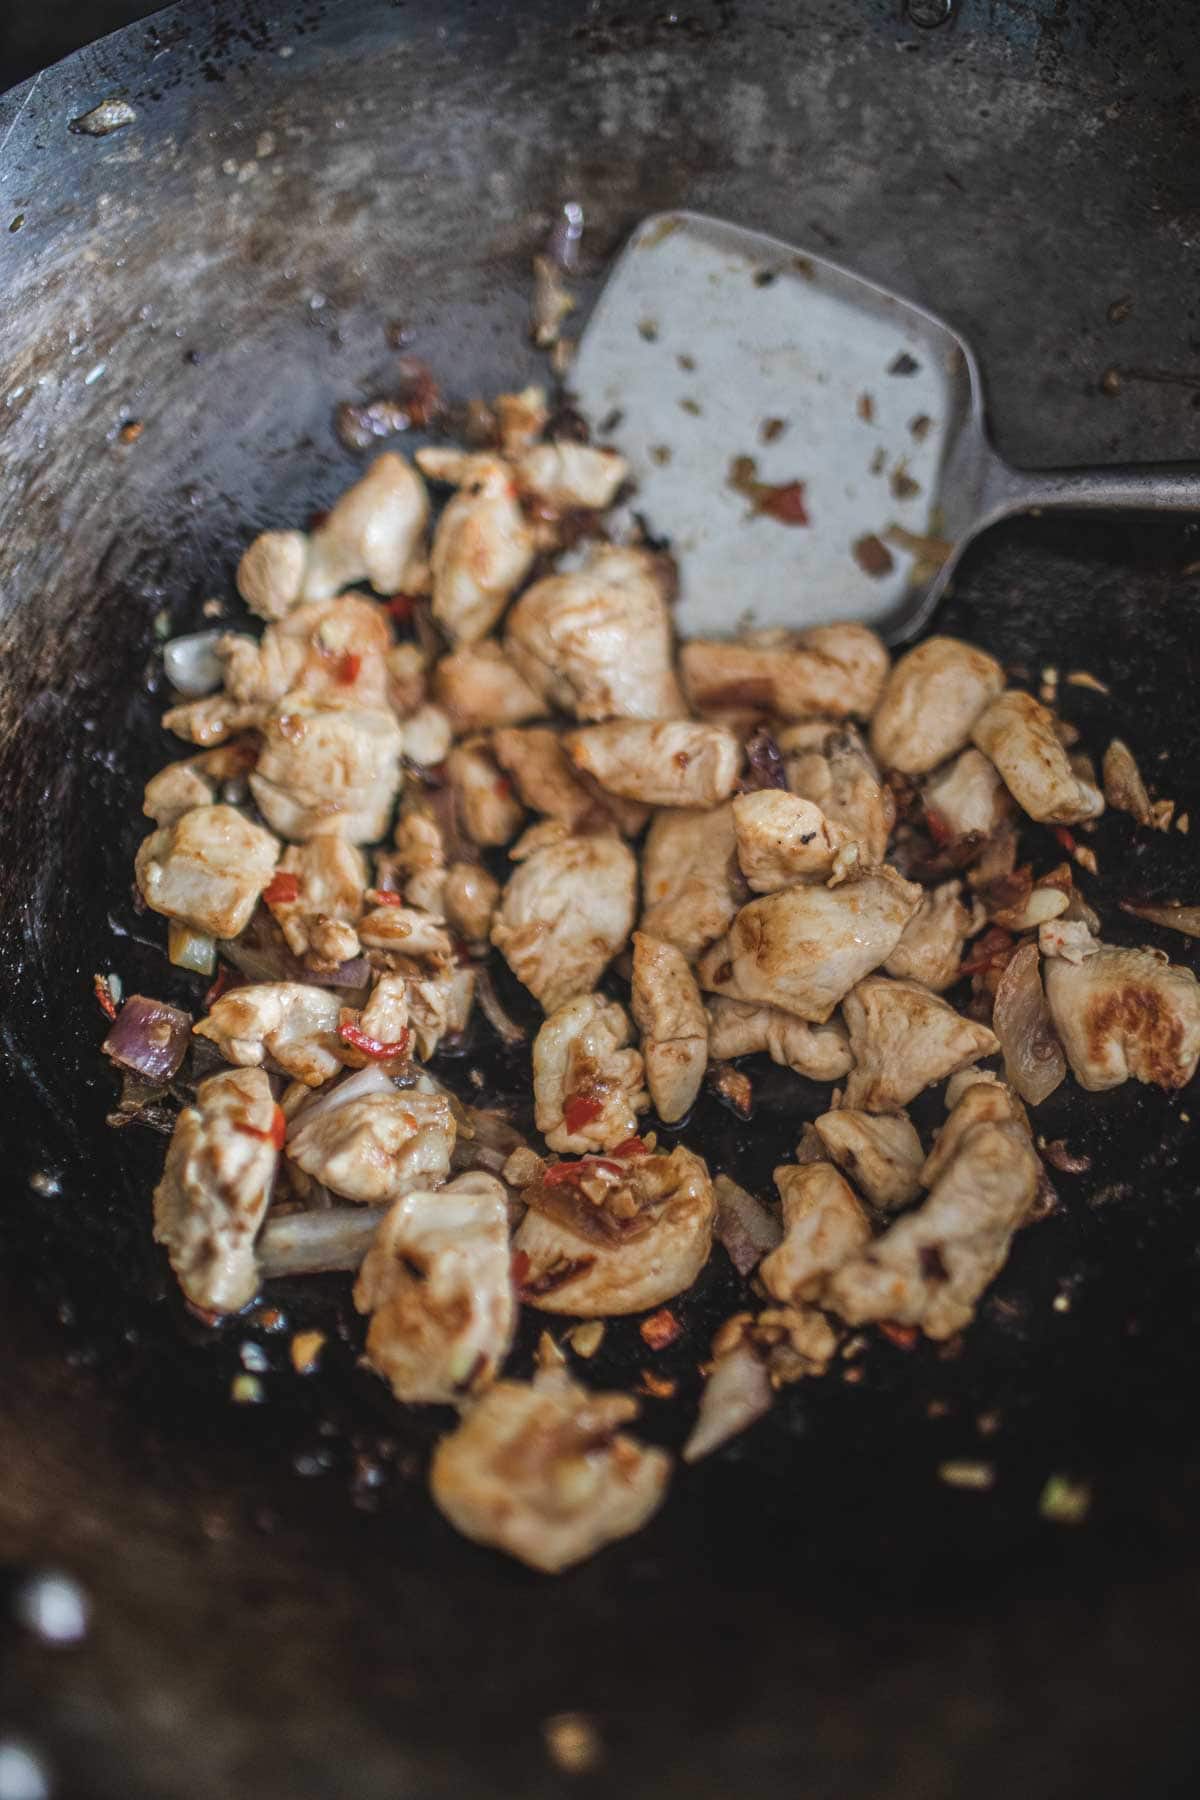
point(277, 1609)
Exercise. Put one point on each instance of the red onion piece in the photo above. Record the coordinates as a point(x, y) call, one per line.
point(353, 974)
point(746, 1227)
point(764, 762)
point(1034, 1063)
point(736, 1393)
point(149, 1037)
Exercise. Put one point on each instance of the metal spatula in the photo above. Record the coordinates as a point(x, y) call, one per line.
point(711, 344)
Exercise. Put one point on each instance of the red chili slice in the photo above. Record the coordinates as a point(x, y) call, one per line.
point(282, 889)
point(631, 1147)
point(660, 1329)
point(575, 1171)
point(903, 1336)
point(401, 607)
point(108, 1005)
point(374, 1047)
point(385, 897)
point(348, 668)
point(580, 1110)
point(1066, 839)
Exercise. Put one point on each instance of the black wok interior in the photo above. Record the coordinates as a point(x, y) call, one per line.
point(278, 1609)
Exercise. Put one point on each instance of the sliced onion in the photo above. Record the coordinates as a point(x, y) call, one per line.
point(353, 974)
point(736, 1393)
point(314, 1243)
point(192, 665)
point(190, 949)
point(1175, 918)
point(371, 1080)
point(746, 1227)
point(149, 1037)
point(1123, 784)
point(1034, 1063)
point(487, 1143)
point(492, 1008)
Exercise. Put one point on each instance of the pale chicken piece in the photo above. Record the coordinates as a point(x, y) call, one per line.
point(407, 676)
point(905, 1038)
point(428, 735)
point(378, 1147)
point(617, 1242)
point(831, 671)
point(289, 1023)
point(483, 545)
point(335, 651)
point(478, 688)
point(207, 869)
point(931, 944)
point(488, 810)
point(375, 532)
point(421, 857)
point(741, 1028)
point(196, 781)
point(597, 642)
point(437, 1286)
point(566, 912)
point(670, 1016)
point(215, 1188)
point(328, 769)
point(565, 475)
point(1122, 1013)
point(588, 1085)
point(385, 1016)
point(691, 883)
point(520, 419)
point(782, 838)
point(470, 897)
point(329, 877)
point(213, 719)
point(965, 800)
point(406, 929)
point(931, 1266)
point(830, 766)
point(881, 1153)
point(676, 762)
point(413, 1006)
point(541, 1471)
point(804, 948)
point(1017, 733)
point(930, 703)
point(270, 574)
point(544, 777)
point(824, 1225)
point(973, 1097)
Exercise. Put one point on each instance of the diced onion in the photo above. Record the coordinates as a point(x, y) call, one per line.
point(149, 1037)
point(190, 949)
point(746, 1227)
point(1034, 1063)
point(736, 1394)
point(192, 665)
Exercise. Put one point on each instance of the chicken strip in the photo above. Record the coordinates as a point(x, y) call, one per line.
point(588, 1087)
point(374, 532)
point(196, 781)
point(881, 1153)
point(782, 839)
point(478, 688)
point(378, 1147)
point(691, 882)
point(289, 1022)
point(316, 898)
point(566, 912)
point(207, 869)
point(824, 1225)
point(831, 767)
point(674, 763)
point(564, 475)
point(541, 1471)
point(487, 809)
point(328, 769)
point(739, 1028)
point(965, 800)
point(1122, 1012)
point(670, 1016)
point(215, 1188)
point(1018, 734)
point(834, 671)
point(904, 1039)
point(483, 545)
point(931, 701)
point(931, 944)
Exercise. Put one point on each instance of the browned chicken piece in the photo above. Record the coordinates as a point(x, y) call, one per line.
point(931, 945)
point(541, 1471)
point(834, 671)
point(691, 883)
point(207, 869)
point(804, 948)
point(544, 777)
point(213, 719)
point(374, 532)
point(384, 1017)
point(824, 1225)
point(566, 912)
point(378, 1147)
point(408, 678)
point(973, 1097)
point(565, 475)
point(478, 688)
point(483, 545)
point(470, 897)
point(215, 1189)
point(488, 810)
point(904, 1039)
point(740, 1028)
point(413, 1006)
point(406, 930)
point(782, 839)
point(965, 800)
point(335, 651)
point(1018, 733)
point(420, 854)
point(328, 769)
point(437, 1285)
point(933, 697)
point(931, 1266)
point(197, 781)
point(270, 575)
point(291, 1024)
point(329, 877)
point(588, 1086)
point(670, 1016)
point(597, 642)
point(881, 1153)
point(520, 419)
point(671, 763)
point(831, 767)
point(620, 1239)
point(428, 735)
point(1125, 1012)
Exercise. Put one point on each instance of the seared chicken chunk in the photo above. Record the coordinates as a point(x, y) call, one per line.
point(289, 1022)
point(436, 1283)
point(670, 1016)
point(470, 897)
point(973, 1097)
point(931, 701)
point(881, 1153)
point(673, 763)
point(834, 671)
point(488, 810)
point(831, 768)
point(270, 575)
point(335, 651)
point(566, 912)
point(965, 799)
point(691, 882)
point(428, 735)
point(1018, 734)
point(328, 769)
point(1125, 1012)
point(207, 869)
point(405, 929)
point(544, 777)
point(215, 1188)
point(781, 839)
point(904, 1039)
point(378, 1147)
point(824, 1225)
point(542, 1471)
point(420, 853)
point(375, 532)
point(566, 474)
point(483, 545)
point(588, 1086)
point(931, 944)
point(478, 687)
point(196, 781)
point(740, 1028)
point(213, 719)
point(326, 879)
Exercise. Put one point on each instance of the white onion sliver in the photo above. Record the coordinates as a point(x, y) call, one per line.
point(192, 665)
point(746, 1228)
point(1034, 1063)
point(736, 1393)
point(313, 1243)
point(371, 1080)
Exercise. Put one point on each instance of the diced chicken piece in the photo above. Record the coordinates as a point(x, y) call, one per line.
point(328, 879)
point(428, 735)
point(831, 767)
point(542, 1472)
point(289, 1022)
point(965, 800)
point(328, 769)
point(670, 1016)
point(196, 781)
point(405, 929)
point(831, 671)
point(804, 948)
point(588, 1087)
point(691, 882)
point(881, 1153)
point(740, 1028)
point(904, 1039)
point(544, 777)
point(437, 1285)
point(930, 1267)
point(488, 810)
point(421, 856)
point(566, 912)
point(672, 763)
point(643, 1240)
point(931, 701)
point(407, 671)
point(478, 687)
point(213, 719)
point(565, 474)
point(931, 944)
point(973, 1097)
point(470, 897)
point(207, 869)
point(1125, 1012)
point(824, 1225)
point(270, 575)
point(378, 1147)
point(375, 531)
point(597, 642)
point(781, 839)
point(413, 1007)
point(335, 651)
point(1017, 733)
point(215, 1188)
point(483, 545)
point(520, 419)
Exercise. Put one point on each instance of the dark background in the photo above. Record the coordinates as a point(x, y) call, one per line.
point(33, 36)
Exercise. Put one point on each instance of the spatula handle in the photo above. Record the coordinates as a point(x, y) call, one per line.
point(1130, 487)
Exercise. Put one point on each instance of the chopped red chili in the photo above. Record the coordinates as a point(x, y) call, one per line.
point(580, 1110)
point(374, 1047)
point(225, 977)
point(631, 1147)
point(349, 666)
point(108, 1005)
point(1066, 839)
point(995, 943)
point(903, 1336)
point(660, 1329)
point(385, 897)
point(520, 1267)
point(401, 607)
point(276, 1133)
point(282, 889)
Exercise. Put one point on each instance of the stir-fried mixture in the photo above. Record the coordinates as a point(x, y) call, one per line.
point(474, 739)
